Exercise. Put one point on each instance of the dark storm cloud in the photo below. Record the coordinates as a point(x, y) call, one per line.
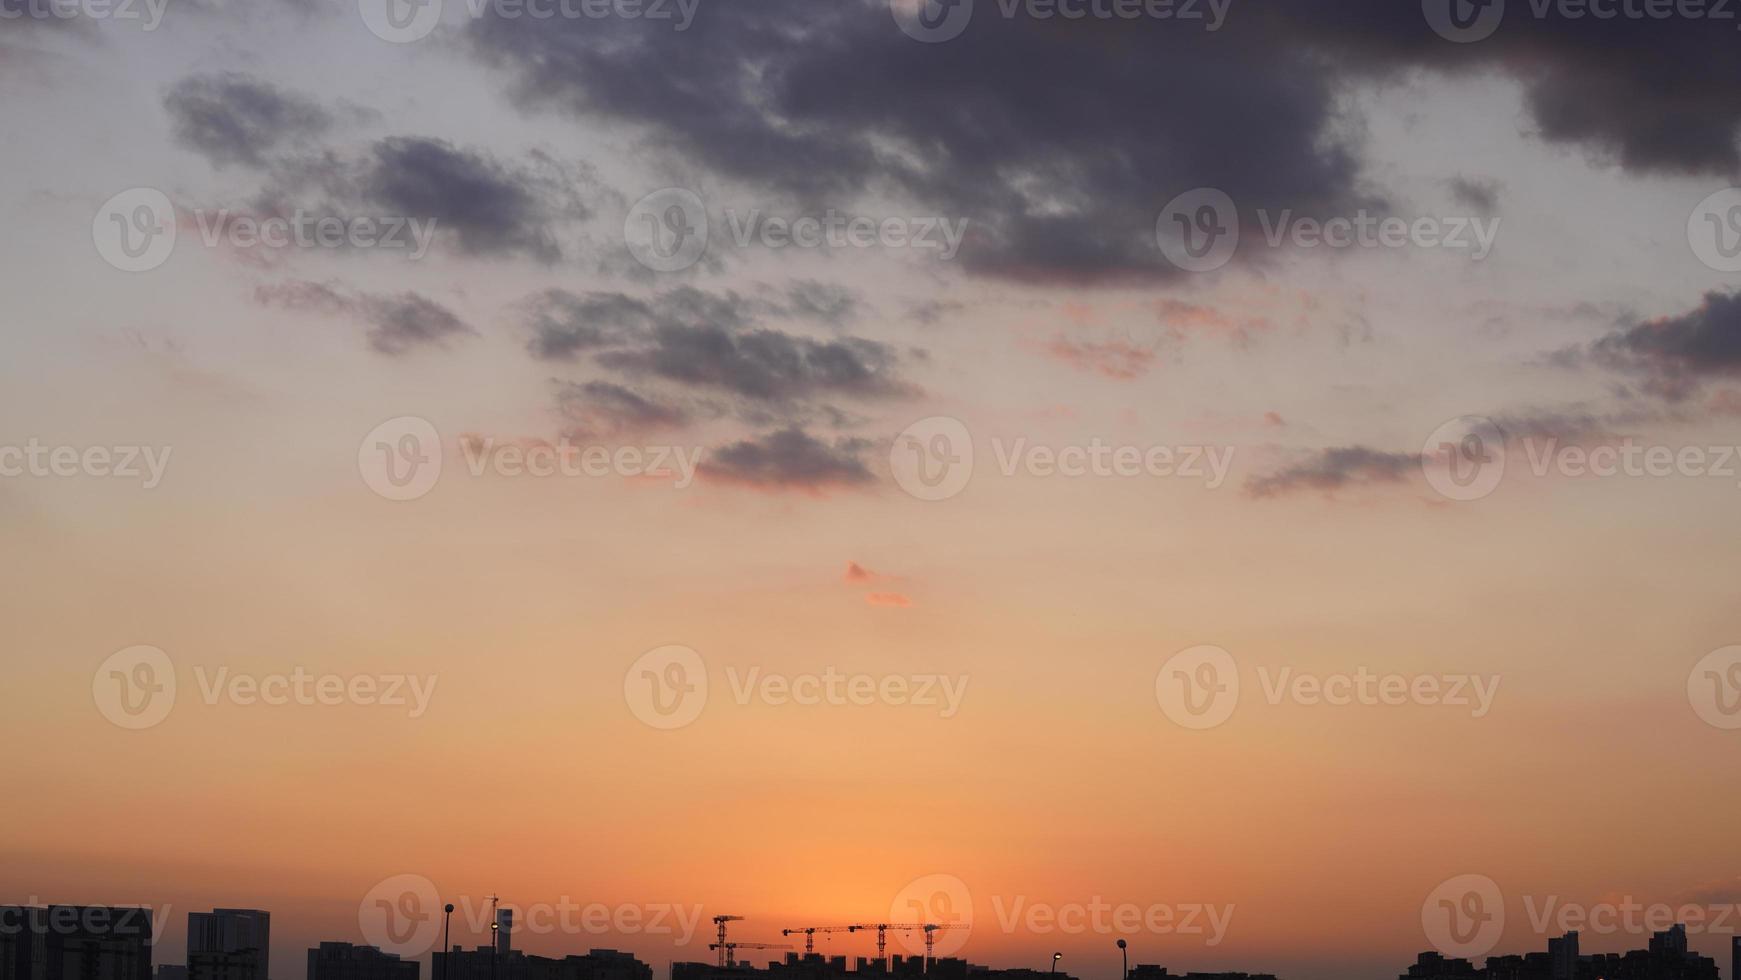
point(398, 324)
point(1061, 140)
point(709, 342)
point(1333, 469)
point(480, 203)
point(1679, 352)
point(492, 207)
point(791, 459)
point(1653, 94)
point(761, 364)
point(1059, 143)
point(233, 118)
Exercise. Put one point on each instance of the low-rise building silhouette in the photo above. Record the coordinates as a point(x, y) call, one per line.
point(343, 961)
point(1148, 971)
point(488, 963)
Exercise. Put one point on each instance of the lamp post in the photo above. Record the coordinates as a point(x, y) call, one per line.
point(495, 930)
point(1124, 955)
point(1055, 958)
point(446, 934)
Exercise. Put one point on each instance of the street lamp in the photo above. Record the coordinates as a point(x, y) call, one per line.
point(1124, 955)
point(446, 933)
point(1055, 958)
point(495, 929)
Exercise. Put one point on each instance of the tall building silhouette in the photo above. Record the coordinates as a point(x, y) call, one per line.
point(1564, 954)
point(75, 942)
point(1735, 958)
point(229, 944)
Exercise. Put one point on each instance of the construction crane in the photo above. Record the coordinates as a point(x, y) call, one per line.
point(728, 951)
point(720, 921)
point(811, 931)
point(931, 930)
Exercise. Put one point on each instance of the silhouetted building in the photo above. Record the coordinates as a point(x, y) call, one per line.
point(343, 961)
point(1435, 966)
point(819, 967)
point(229, 944)
point(1670, 943)
point(1563, 954)
point(1150, 972)
point(170, 971)
point(1667, 958)
point(483, 963)
point(1735, 958)
point(74, 942)
point(504, 931)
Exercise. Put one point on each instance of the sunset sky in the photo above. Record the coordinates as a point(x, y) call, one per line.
point(1018, 742)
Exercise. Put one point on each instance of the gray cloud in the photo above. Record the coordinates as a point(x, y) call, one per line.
point(1061, 140)
point(791, 459)
point(710, 342)
point(1679, 353)
point(1333, 469)
point(1480, 195)
point(233, 118)
point(1060, 144)
point(599, 409)
point(399, 324)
